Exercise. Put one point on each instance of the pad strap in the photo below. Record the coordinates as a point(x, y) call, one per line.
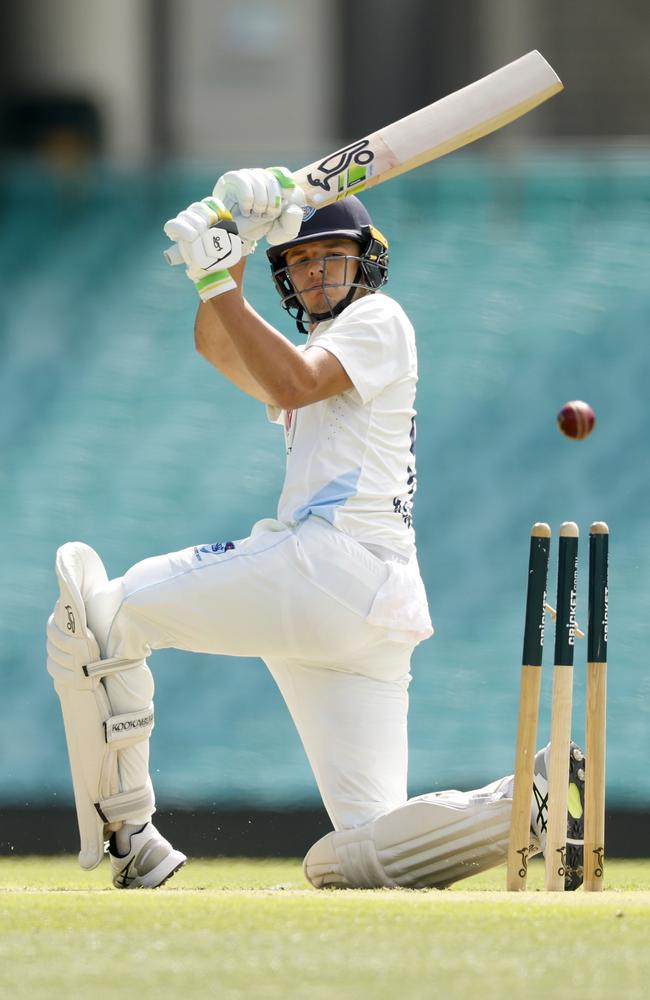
point(113, 665)
point(127, 805)
point(129, 728)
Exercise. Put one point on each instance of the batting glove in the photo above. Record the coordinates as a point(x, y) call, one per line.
point(209, 243)
point(263, 203)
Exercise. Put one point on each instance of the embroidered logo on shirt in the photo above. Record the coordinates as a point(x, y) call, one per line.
point(215, 549)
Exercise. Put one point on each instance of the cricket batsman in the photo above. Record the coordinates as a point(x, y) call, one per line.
point(328, 592)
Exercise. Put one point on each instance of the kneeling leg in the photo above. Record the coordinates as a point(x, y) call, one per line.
point(431, 841)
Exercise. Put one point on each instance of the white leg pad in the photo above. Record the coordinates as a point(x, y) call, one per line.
point(346, 859)
point(94, 733)
point(432, 841)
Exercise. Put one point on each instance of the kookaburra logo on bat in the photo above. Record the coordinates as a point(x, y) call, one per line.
point(336, 163)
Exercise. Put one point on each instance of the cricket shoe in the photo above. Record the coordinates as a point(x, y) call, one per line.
point(574, 862)
point(148, 863)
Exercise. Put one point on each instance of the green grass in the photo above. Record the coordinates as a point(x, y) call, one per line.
point(240, 928)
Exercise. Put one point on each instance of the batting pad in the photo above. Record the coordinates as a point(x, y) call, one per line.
point(94, 733)
point(432, 841)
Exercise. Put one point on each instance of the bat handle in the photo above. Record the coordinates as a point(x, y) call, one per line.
point(173, 255)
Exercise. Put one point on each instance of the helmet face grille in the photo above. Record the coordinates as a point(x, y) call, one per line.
point(347, 219)
point(358, 273)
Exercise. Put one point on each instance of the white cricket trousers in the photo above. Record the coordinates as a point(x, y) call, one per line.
point(299, 598)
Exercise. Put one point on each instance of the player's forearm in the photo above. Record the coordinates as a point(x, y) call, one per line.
point(210, 336)
point(271, 359)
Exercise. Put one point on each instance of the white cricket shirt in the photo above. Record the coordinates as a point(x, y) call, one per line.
point(351, 458)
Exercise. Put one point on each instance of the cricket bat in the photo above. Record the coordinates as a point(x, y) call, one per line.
point(431, 132)
point(427, 134)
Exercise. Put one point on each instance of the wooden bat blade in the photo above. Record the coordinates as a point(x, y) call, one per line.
point(446, 125)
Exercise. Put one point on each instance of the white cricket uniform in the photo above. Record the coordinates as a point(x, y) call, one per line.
point(351, 458)
point(328, 594)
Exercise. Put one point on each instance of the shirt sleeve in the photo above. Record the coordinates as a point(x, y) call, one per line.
point(374, 341)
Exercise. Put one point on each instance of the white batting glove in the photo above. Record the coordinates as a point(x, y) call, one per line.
point(208, 241)
point(263, 203)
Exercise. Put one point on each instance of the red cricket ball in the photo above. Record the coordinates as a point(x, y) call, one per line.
point(576, 419)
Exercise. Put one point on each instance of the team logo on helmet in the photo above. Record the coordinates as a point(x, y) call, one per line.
point(307, 212)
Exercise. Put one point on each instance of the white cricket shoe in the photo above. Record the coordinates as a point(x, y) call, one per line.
point(575, 811)
point(150, 861)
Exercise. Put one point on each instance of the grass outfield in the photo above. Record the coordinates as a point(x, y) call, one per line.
point(241, 928)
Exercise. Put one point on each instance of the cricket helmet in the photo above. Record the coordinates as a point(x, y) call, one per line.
point(347, 219)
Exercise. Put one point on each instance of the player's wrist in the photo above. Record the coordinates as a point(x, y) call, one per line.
point(213, 284)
